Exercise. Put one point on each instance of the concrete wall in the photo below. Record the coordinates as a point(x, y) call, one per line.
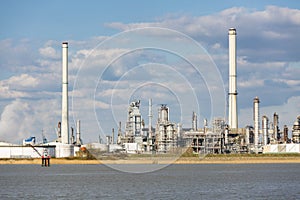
point(24, 152)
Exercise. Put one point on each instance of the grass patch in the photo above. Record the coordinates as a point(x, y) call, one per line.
point(5, 159)
point(77, 158)
point(273, 155)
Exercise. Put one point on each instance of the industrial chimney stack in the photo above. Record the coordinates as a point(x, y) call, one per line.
point(78, 132)
point(65, 106)
point(232, 111)
point(256, 122)
point(194, 121)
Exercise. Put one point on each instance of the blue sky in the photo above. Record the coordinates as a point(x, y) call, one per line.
point(65, 20)
point(30, 60)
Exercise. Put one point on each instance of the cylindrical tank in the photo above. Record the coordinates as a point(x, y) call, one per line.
point(108, 140)
point(164, 114)
point(64, 150)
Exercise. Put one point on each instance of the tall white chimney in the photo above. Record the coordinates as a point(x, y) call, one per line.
point(276, 124)
point(256, 122)
point(232, 111)
point(65, 106)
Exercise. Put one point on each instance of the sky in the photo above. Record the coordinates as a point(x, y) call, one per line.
point(173, 52)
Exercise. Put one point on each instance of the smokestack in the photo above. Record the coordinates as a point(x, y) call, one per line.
point(232, 111)
point(256, 122)
point(276, 126)
point(265, 128)
point(194, 122)
point(119, 140)
point(150, 118)
point(78, 138)
point(65, 106)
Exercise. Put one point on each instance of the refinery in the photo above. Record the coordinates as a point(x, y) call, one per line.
point(221, 136)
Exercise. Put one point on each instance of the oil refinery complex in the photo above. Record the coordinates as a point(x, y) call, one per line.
point(165, 136)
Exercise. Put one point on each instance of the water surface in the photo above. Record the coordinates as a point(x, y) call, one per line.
point(202, 181)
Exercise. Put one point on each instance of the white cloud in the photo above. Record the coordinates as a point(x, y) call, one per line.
point(15, 85)
point(23, 118)
point(15, 123)
point(274, 28)
point(250, 83)
point(49, 52)
point(22, 81)
point(7, 93)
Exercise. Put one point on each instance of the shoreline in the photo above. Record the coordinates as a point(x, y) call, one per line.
point(155, 160)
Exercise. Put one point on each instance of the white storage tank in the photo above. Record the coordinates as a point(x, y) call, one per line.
point(63, 150)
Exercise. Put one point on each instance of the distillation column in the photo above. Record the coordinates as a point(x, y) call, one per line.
point(276, 126)
point(265, 128)
point(194, 122)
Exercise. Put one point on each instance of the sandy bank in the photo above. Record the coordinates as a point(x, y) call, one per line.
point(184, 160)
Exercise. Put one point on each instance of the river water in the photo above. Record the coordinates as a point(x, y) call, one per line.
point(203, 181)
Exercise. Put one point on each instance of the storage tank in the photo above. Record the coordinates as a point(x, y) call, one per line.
point(63, 150)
